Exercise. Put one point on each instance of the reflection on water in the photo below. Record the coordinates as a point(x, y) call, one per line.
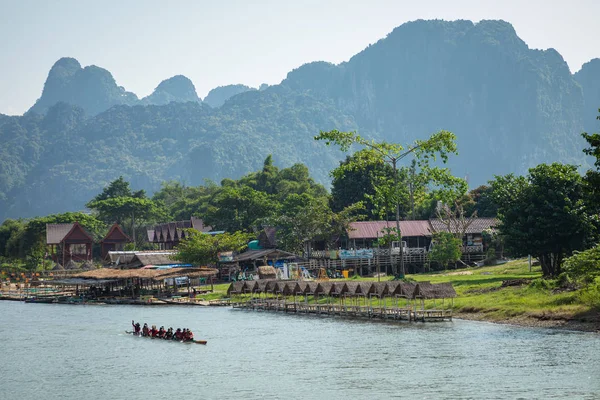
point(59, 351)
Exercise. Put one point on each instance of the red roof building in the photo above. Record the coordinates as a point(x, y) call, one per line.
point(114, 240)
point(69, 242)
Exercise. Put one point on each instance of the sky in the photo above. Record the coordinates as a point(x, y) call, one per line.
point(221, 42)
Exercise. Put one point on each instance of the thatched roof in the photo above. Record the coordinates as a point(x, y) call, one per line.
point(353, 288)
point(304, 288)
point(156, 274)
point(381, 288)
point(267, 272)
point(251, 286)
point(325, 288)
point(264, 285)
point(109, 273)
point(401, 289)
point(366, 288)
point(312, 287)
point(294, 287)
point(235, 287)
point(426, 290)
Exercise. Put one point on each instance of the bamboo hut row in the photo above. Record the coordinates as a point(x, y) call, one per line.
point(421, 290)
point(350, 298)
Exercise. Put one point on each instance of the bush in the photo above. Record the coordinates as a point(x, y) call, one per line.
point(591, 295)
point(542, 284)
point(584, 266)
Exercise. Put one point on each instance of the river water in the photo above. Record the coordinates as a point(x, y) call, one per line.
point(81, 352)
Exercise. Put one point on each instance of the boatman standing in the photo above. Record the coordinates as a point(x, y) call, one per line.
point(136, 328)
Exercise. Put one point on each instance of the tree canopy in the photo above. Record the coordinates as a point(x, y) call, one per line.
point(543, 214)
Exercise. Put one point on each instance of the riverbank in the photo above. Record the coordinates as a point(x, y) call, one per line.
point(507, 294)
point(511, 294)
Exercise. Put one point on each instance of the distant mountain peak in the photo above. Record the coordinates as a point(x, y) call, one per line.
point(92, 88)
point(177, 88)
point(219, 95)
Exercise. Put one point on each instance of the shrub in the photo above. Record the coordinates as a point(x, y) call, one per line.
point(591, 294)
point(584, 266)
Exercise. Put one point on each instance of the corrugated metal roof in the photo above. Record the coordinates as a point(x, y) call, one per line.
point(477, 226)
point(375, 229)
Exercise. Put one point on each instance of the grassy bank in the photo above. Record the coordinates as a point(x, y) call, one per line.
point(528, 300)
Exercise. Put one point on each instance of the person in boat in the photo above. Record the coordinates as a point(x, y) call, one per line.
point(154, 331)
point(162, 332)
point(145, 330)
point(178, 334)
point(136, 328)
point(169, 334)
point(188, 335)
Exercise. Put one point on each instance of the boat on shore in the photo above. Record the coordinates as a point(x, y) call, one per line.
point(167, 340)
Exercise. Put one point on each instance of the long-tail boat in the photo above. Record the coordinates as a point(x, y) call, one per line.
point(168, 340)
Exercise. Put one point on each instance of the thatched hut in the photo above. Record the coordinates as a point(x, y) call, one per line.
point(294, 288)
point(264, 285)
point(324, 288)
point(425, 290)
point(381, 289)
point(251, 287)
point(339, 289)
point(353, 288)
point(312, 287)
point(304, 287)
point(367, 288)
point(236, 288)
point(267, 272)
point(277, 287)
point(286, 288)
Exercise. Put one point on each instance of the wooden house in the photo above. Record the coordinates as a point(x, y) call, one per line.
point(168, 235)
point(69, 242)
point(114, 240)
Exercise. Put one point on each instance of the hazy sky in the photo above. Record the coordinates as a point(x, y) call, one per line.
point(214, 43)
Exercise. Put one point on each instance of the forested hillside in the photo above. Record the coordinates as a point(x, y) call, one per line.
point(510, 106)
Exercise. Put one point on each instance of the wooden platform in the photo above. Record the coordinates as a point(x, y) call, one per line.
point(353, 311)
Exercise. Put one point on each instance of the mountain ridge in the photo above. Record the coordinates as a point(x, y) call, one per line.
point(511, 107)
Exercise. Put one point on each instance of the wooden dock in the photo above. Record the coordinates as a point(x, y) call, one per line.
point(345, 310)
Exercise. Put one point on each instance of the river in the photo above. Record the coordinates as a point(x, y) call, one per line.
point(81, 352)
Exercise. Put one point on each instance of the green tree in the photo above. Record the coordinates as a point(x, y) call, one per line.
point(592, 177)
point(202, 249)
point(356, 179)
point(446, 248)
point(238, 209)
point(11, 238)
point(543, 214)
point(117, 203)
point(440, 144)
point(480, 200)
